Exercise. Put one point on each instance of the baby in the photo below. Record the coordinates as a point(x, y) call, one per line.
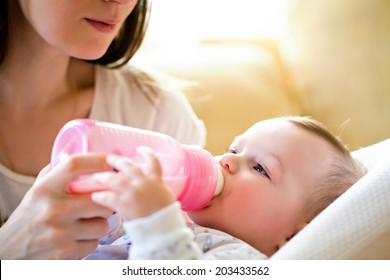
point(279, 175)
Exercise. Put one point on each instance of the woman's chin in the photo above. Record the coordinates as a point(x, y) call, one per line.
point(89, 54)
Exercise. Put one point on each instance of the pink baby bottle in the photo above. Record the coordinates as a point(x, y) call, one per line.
point(189, 171)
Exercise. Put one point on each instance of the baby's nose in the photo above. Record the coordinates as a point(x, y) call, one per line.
point(230, 162)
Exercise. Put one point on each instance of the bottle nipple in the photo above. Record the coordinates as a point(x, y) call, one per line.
point(220, 183)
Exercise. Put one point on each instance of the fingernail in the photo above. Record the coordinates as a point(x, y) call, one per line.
point(111, 158)
point(144, 150)
point(99, 176)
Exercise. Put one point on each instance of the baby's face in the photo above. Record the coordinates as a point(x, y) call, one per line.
point(268, 171)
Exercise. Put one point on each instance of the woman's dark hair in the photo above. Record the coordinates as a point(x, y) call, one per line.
point(121, 50)
point(129, 38)
point(3, 29)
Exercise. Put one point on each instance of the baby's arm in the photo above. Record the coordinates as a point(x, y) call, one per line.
point(162, 235)
point(153, 219)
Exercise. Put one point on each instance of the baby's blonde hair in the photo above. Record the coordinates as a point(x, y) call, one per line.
point(342, 173)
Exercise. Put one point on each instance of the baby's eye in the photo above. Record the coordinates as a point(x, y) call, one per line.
point(232, 151)
point(261, 170)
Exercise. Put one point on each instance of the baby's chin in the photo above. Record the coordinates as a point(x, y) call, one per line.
point(203, 218)
point(194, 216)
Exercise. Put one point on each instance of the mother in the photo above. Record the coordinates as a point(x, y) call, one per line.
point(61, 60)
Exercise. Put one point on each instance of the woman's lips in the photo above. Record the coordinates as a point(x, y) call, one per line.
point(104, 26)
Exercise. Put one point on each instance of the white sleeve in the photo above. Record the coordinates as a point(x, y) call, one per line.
point(162, 235)
point(165, 235)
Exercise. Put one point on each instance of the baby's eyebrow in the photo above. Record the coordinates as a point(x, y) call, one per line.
point(275, 165)
point(237, 141)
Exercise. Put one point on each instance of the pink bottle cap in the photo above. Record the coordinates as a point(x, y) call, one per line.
point(202, 172)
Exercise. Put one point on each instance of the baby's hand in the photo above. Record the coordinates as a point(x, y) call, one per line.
point(132, 192)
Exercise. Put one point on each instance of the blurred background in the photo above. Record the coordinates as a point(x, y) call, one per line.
point(250, 60)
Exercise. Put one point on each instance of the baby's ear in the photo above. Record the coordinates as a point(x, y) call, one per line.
point(297, 229)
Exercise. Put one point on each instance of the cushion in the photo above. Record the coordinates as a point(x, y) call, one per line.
point(357, 224)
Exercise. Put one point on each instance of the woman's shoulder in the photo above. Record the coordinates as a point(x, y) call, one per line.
point(153, 85)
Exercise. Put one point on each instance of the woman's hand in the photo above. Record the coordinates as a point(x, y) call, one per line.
point(132, 192)
point(50, 222)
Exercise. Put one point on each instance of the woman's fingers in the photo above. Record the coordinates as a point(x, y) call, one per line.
point(44, 171)
point(90, 229)
point(73, 167)
point(81, 206)
point(59, 224)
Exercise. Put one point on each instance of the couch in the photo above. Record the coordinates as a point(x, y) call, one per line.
point(333, 64)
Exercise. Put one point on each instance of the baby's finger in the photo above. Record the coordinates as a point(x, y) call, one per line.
point(114, 181)
point(105, 198)
point(152, 162)
point(125, 165)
